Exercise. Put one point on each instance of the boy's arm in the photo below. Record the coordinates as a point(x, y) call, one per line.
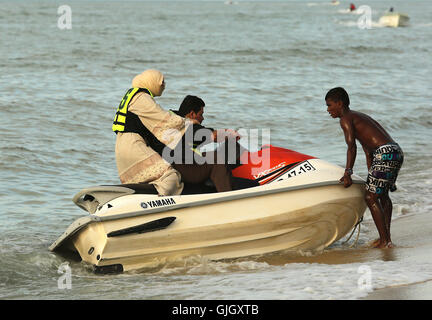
point(368, 158)
point(348, 129)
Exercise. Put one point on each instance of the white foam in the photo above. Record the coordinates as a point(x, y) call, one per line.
point(348, 11)
point(303, 281)
point(374, 24)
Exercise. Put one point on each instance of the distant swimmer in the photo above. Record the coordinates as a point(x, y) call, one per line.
point(391, 9)
point(352, 7)
point(384, 158)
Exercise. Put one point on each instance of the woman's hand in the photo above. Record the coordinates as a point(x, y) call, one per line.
point(224, 134)
point(231, 133)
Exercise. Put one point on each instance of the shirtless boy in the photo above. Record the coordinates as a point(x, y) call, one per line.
point(384, 158)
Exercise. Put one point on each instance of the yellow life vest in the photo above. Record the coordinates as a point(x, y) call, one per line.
point(119, 122)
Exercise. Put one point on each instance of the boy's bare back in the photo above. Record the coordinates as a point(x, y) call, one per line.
point(366, 130)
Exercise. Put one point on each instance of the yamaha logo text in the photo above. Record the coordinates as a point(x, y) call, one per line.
point(158, 203)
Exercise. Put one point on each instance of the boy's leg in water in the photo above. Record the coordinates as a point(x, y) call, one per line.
point(377, 211)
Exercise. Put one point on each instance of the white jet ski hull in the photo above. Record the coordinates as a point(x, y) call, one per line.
point(136, 231)
point(394, 20)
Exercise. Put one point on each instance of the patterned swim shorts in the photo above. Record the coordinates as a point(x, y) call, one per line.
point(386, 162)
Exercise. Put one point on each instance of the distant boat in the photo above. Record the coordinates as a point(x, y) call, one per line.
point(335, 2)
point(394, 19)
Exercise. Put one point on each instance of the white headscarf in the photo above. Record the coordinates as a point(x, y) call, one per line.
point(150, 79)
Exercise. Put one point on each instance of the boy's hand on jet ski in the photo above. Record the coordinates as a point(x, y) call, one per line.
point(346, 180)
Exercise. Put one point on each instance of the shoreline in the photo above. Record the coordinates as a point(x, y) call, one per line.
point(415, 291)
point(412, 239)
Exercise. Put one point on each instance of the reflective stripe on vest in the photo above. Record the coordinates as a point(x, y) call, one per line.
point(194, 148)
point(120, 116)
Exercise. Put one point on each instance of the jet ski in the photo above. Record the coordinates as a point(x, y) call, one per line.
point(283, 201)
point(394, 19)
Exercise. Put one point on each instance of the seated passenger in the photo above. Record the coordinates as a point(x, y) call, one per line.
point(214, 164)
point(138, 117)
point(192, 108)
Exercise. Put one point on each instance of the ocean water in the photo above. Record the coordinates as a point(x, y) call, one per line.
point(257, 65)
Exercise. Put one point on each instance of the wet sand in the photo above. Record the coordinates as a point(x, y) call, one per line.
point(412, 237)
point(418, 291)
